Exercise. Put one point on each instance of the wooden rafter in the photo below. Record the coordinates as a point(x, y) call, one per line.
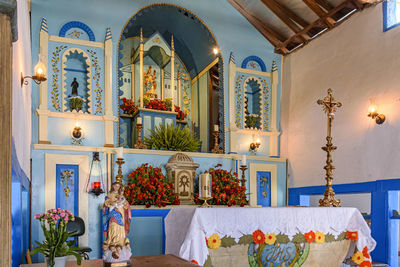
point(312, 4)
point(272, 36)
point(325, 5)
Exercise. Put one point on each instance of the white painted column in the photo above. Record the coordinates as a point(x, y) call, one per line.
point(232, 107)
point(179, 93)
point(141, 68)
point(162, 85)
point(108, 106)
point(133, 82)
point(173, 74)
point(43, 111)
point(273, 124)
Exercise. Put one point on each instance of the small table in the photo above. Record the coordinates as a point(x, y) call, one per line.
point(143, 261)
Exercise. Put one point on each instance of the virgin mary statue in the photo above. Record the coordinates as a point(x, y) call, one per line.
point(117, 214)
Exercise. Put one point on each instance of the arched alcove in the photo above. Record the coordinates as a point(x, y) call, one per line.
point(197, 73)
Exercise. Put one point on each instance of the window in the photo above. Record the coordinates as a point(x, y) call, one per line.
point(391, 14)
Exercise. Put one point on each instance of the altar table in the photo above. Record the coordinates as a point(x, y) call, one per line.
point(265, 235)
point(142, 261)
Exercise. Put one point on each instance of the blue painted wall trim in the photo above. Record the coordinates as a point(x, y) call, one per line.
point(77, 24)
point(256, 59)
point(384, 199)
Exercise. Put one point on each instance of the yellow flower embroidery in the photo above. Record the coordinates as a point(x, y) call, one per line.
point(358, 257)
point(270, 239)
point(214, 241)
point(319, 237)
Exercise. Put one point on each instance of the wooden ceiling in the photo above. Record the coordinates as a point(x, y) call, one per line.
point(291, 24)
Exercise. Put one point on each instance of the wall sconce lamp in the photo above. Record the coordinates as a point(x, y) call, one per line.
point(254, 146)
point(77, 131)
point(39, 76)
point(373, 113)
point(95, 181)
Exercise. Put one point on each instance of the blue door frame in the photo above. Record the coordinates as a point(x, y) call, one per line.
point(384, 199)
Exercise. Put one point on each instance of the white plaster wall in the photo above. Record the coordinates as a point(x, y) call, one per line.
point(358, 61)
point(21, 98)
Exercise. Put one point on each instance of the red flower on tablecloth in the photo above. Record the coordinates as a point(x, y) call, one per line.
point(353, 236)
point(258, 237)
point(195, 262)
point(310, 236)
point(365, 264)
point(365, 252)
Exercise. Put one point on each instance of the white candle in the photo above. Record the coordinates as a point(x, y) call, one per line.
point(139, 120)
point(120, 153)
point(244, 160)
point(205, 185)
point(216, 128)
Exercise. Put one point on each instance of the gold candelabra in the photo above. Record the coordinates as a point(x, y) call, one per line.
point(119, 177)
point(216, 149)
point(243, 168)
point(329, 105)
point(139, 142)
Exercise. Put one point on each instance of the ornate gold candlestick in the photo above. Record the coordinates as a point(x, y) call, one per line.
point(139, 142)
point(205, 199)
point(119, 177)
point(243, 168)
point(329, 105)
point(216, 149)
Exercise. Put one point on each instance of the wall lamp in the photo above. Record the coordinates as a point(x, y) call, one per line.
point(373, 113)
point(39, 76)
point(254, 146)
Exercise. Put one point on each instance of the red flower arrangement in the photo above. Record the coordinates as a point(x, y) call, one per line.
point(181, 115)
point(128, 106)
point(365, 252)
point(157, 104)
point(148, 186)
point(226, 188)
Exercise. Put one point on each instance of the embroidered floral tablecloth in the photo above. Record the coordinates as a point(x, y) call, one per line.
point(192, 231)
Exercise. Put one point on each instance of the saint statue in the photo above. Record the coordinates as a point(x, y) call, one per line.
point(117, 212)
point(74, 86)
point(150, 83)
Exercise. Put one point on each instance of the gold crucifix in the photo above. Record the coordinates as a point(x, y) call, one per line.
point(329, 105)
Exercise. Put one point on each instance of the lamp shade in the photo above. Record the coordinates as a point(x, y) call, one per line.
point(95, 181)
point(40, 71)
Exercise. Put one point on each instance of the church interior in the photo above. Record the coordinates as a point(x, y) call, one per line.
point(199, 133)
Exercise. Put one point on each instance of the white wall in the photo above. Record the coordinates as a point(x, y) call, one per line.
point(21, 98)
point(358, 61)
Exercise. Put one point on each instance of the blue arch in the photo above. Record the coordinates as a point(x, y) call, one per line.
point(256, 59)
point(77, 24)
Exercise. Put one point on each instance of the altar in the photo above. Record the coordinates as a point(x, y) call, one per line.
point(292, 236)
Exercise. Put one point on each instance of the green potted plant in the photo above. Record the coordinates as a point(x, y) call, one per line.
point(55, 246)
point(76, 103)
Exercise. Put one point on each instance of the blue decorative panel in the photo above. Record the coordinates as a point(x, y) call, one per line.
point(65, 30)
point(67, 187)
point(239, 100)
point(146, 236)
point(264, 189)
point(254, 63)
point(266, 104)
point(55, 77)
point(96, 83)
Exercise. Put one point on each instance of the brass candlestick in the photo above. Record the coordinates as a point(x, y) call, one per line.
point(119, 177)
point(216, 149)
point(243, 168)
point(139, 142)
point(329, 105)
point(205, 199)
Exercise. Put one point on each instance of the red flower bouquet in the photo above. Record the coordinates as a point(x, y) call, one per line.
point(148, 186)
point(157, 104)
point(226, 188)
point(181, 115)
point(128, 106)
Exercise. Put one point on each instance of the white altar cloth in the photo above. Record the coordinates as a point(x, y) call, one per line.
point(186, 228)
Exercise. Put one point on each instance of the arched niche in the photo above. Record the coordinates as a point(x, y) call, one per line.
point(253, 103)
point(198, 73)
point(76, 68)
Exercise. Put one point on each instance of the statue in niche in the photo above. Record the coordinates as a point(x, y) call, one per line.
point(150, 83)
point(74, 86)
point(116, 248)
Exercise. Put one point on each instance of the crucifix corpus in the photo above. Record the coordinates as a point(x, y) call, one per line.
point(329, 105)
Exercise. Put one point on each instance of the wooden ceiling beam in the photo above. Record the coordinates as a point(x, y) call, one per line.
point(320, 12)
point(281, 12)
point(273, 37)
point(325, 5)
